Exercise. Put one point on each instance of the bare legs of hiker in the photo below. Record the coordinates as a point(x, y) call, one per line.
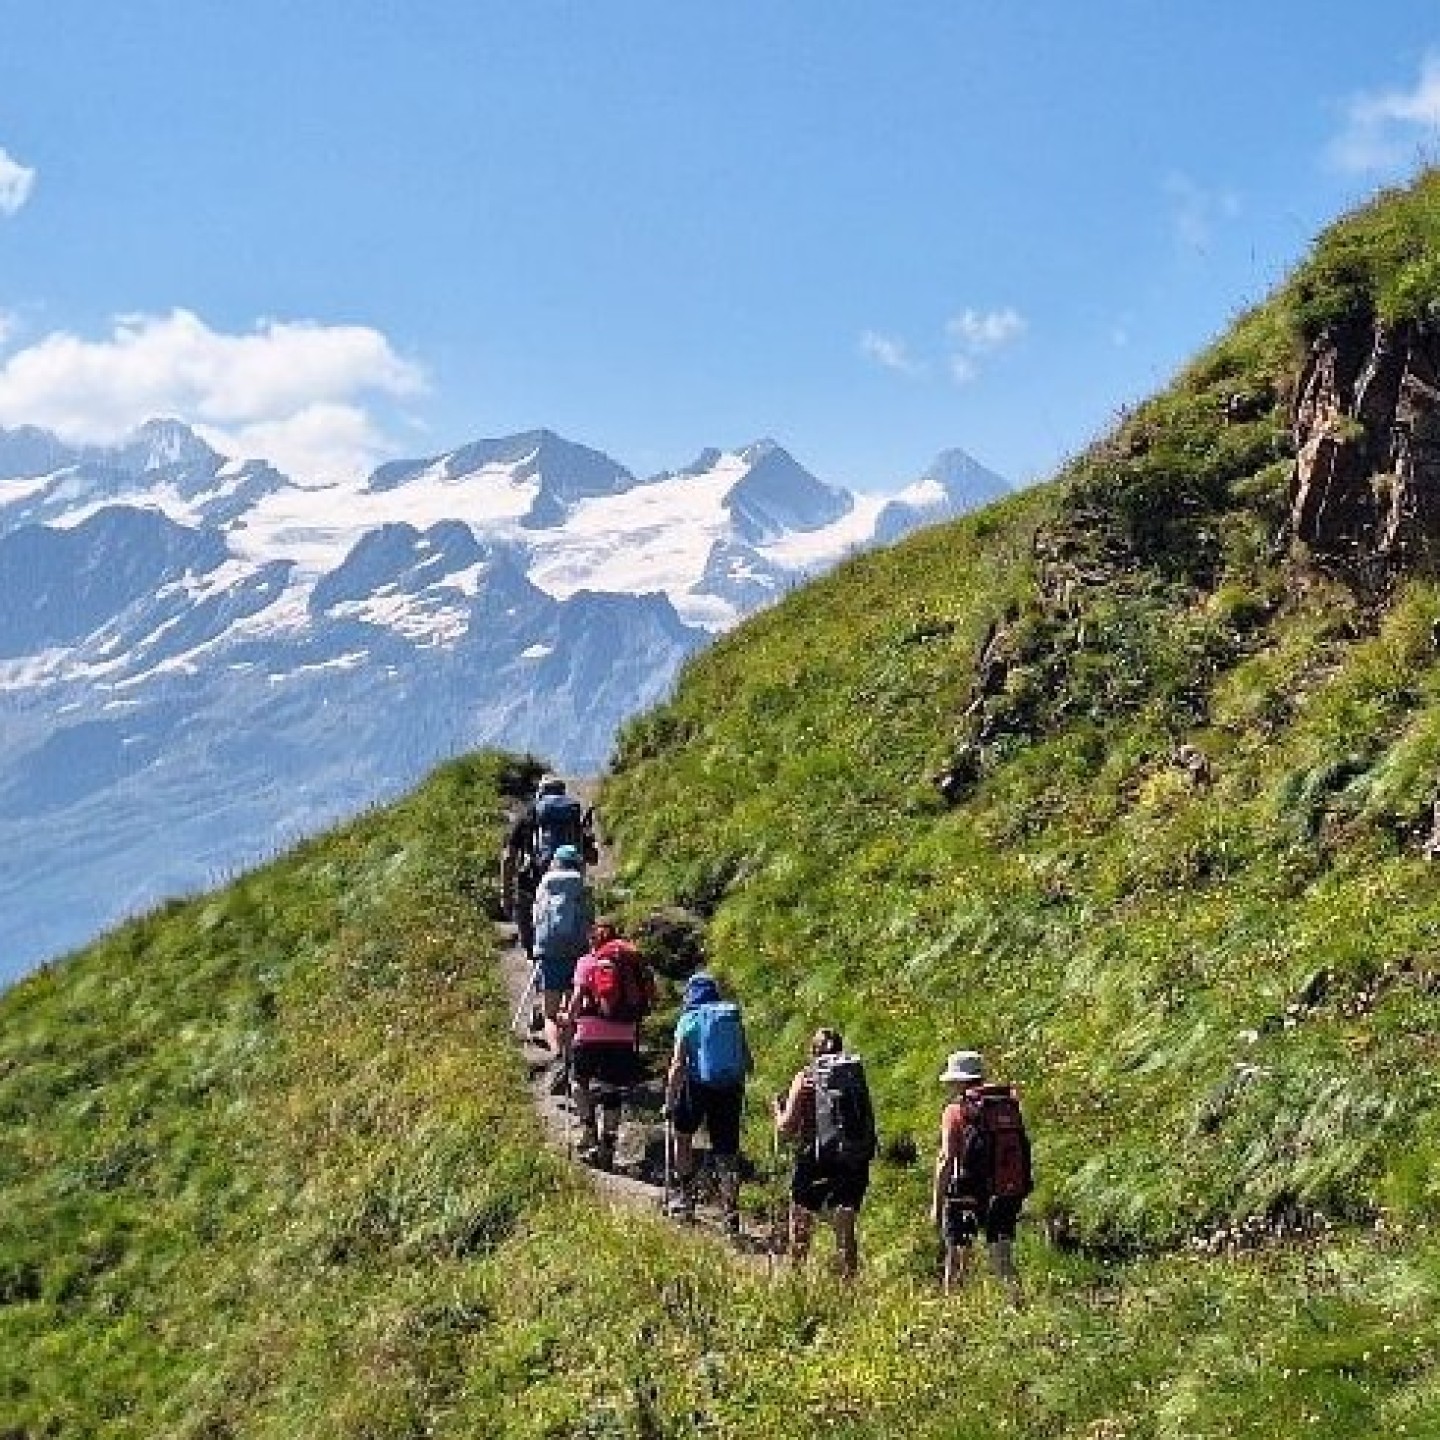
point(597, 1143)
point(557, 1033)
point(682, 1148)
point(843, 1219)
point(962, 1227)
point(728, 1170)
point(727, 1173)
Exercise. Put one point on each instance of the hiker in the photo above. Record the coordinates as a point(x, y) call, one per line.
point(553, 818)
point(613, 992)
point(518, 878)
point(706, 1086)
point(560, 819)
point(983, 1172)
point(560, 925)
point(828, 1115)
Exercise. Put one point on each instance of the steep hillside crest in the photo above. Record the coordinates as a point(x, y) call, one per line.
point(1182, 710)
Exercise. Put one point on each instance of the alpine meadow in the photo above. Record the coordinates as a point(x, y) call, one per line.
point(1129, 782)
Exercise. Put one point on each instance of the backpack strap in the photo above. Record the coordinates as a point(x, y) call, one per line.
point(964, 1138)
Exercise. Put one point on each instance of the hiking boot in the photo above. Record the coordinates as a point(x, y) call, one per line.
point(537, 1020)
point(560, 1079)
point(681, 1205)
point(598, 1152)
point(1002, 1263)
point(601, 1154)
point(732, 1224)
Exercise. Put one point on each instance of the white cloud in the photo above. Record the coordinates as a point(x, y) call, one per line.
point(973, 334)
point(978, 331)
point(16, 181)
point(969, 336)
point(1390, 129)
point(963, 369)
point(1196, 211)
point(324, 441)
point(889, 353)
point(287, 390)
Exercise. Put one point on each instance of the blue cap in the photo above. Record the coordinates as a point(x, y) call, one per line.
point(567, 855)
point(700, 989)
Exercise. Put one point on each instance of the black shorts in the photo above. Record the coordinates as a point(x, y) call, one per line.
point(717, 1109)
point(816, 1188)
point(964, 1221)
point(614, 1064)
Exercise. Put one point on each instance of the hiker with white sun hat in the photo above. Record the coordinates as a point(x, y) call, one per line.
point(983, 1172)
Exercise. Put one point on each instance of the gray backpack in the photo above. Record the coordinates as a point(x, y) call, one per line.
point(844, 1117)
point(562, 915)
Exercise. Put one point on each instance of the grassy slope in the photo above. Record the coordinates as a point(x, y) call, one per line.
point(1134, 947)
point(266, 1167)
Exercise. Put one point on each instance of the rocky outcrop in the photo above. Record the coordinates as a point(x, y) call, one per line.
point(1367, 444)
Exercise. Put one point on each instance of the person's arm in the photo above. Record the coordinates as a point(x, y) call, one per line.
point(944, 1165)
point(790, 1112)
point(675, 1076)
point(574, 1005)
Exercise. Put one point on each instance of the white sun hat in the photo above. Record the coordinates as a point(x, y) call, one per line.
point(963, 1066)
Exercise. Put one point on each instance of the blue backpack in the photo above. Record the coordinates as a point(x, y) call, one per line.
point(562, 915)
point(718, 1054)
point(559, 820)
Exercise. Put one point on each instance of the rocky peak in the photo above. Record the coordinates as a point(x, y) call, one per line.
point(162, 443)
point(1366, 429)
point(28, 450)
point(777, 494)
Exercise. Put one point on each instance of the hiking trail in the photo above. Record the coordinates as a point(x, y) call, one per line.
point(637, 1181)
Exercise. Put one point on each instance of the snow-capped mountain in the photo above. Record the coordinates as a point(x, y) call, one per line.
point(201, 659)
point(954, 484)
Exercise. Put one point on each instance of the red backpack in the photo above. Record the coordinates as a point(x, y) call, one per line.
point(619, 985)
point(991, 1150)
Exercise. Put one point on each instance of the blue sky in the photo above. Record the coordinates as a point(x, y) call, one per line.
point(334, 232)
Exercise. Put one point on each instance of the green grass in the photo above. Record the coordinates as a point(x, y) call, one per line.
point(1128, 943)
point(269, 1170)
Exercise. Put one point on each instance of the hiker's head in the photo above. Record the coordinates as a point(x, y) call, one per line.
point(700, 989)
point(603, 931)
point(550, 785)
point(567, 857)
point(826, 1041)
point(964, 1067)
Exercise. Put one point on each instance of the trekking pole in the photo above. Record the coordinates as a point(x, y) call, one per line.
point(776, 1198)
point(669, 1145)
point(567, 1101)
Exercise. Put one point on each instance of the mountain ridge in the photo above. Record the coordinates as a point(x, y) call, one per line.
point(162, 607)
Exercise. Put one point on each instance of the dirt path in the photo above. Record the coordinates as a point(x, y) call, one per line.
point(637, 1181)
